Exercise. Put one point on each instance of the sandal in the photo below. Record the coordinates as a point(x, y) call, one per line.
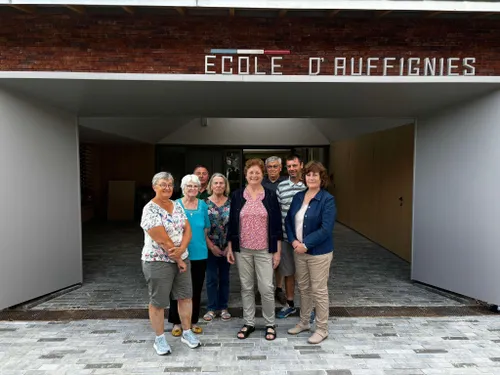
point(209, 316)
point(246, 330)
point(196, 329)
point(270, 331)
point(225, 315)
point(176, 330)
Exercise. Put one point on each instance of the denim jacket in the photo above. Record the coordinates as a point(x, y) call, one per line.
point(274, 230)
point(318, 222)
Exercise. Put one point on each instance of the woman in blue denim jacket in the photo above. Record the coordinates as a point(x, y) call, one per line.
point(309, 226)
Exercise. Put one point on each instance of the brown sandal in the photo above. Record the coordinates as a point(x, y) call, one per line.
point(176, 330)
point(196, 329)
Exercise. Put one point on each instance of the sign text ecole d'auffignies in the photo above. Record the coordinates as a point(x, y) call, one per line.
point(261, 62)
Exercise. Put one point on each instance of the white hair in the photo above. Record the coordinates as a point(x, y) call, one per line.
point(162, 176)
point(272, 159)
point(190, 178)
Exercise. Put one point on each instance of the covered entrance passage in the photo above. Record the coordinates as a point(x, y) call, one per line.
point(447, 115)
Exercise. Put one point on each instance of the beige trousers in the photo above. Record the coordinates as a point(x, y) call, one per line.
point(311, 273)
point(260, 262)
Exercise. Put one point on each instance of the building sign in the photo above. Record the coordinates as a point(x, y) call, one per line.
point(274, 62)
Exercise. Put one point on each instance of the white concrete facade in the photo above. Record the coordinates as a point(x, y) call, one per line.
point(41, 249)
point(455, 228)
point(455, 236)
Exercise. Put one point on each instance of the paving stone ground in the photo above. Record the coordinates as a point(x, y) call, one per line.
point(362, 274)
point(356, 346)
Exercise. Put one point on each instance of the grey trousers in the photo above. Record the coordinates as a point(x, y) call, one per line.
point(258, 262)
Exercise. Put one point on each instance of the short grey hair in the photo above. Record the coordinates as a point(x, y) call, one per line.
point(272, 159)
point(162, 176)
point(189, 178)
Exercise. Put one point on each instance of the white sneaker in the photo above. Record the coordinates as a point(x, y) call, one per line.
point(190, 339)
point(161, 346)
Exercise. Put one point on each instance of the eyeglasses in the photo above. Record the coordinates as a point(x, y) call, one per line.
point(272, 166)
point(192, 186)
point(165, 186)
point(201, 173)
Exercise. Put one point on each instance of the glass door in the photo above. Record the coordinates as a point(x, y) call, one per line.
point(233, 168)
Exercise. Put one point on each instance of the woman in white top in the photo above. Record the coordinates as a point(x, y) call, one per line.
point(165, 262)
point(309, 226)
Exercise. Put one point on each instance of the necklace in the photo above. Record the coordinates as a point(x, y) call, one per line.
point(190, 207)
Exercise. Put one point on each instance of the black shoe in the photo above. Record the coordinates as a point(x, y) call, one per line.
point(280, 296)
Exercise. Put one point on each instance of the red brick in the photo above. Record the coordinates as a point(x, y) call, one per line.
point(159, 44)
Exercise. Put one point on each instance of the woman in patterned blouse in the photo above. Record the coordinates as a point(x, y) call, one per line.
point(217, 264)
point(165, 261)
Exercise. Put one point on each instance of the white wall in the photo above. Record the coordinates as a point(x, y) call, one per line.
point(40, 249)
point(456, 239)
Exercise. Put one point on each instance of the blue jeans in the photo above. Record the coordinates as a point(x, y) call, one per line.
point(217, 282)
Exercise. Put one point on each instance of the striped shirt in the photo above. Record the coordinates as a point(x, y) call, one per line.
point(285, 192)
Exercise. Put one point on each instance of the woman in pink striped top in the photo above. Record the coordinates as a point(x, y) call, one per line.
point(254, 235)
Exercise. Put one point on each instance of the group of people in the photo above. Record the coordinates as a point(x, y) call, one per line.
point(274, 228)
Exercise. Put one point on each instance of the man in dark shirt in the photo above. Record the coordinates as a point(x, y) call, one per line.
point(271, 181)
point(273, 178)
point(202, 172)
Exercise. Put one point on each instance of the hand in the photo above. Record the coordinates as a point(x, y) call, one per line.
point(300, 249)
point(182, 266)
point(276, 260)
point(176, 252)
point(217, 251)
point(171, 253)
point(224, 252)
point(230, 257)
point(295, 243)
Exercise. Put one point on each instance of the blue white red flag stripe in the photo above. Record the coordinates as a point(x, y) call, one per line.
point(276, 52)
point(218, 51)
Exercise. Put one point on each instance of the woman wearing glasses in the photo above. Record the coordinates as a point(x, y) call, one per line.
point(165, 262)
point(197, 214)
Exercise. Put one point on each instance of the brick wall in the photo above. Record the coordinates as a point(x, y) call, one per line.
point(159, 44)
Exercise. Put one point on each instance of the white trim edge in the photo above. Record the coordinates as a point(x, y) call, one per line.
point(12, 75)
point(404, 5)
